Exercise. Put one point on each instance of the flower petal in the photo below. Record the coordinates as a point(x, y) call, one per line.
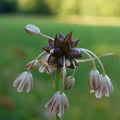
point(61, 36)
point(51, 60)
point(51, 42)
point(48, 48)
point(74, 54)
point(74, 43)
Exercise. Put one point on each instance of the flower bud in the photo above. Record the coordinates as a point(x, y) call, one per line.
point(69, 82)
point(32, 64)
point(32, 29)
point(94, 79)
point(68, 62)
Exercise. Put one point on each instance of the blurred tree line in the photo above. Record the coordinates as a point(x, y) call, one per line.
point(62, 7)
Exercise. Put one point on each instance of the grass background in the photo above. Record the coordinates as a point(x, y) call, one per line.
point(17, 48)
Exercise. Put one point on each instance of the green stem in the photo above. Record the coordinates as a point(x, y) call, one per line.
point(103, 69)
point(57, 81)
point(48, 37)
point(57, 86)
point(57, 117)
point(92, 59)
point(104, 55)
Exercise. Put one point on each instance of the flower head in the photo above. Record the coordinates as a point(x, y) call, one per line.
point(58, 103)
point(63, 46)
point(105, 88)
point(94, 79)
point(24, 81)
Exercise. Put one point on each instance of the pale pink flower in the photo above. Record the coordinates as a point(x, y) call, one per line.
point(94, 80)
point(24, 81)
point(105, 88)
point(58, 103)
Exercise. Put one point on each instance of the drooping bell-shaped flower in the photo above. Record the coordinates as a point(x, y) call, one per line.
point(24, 81)
point(94, 79)
point(105, 88)
point(58, 103)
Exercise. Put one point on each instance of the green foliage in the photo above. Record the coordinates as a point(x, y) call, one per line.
point(8, 6)
point(17, 48)
point(62, 7)
point(107, 7)
point(34, 6)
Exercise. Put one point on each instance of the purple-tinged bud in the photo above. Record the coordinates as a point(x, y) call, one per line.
point(94, 79)
point(32, 29)
point(69, 82)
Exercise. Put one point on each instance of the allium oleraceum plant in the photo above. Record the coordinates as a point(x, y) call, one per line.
point(56, 59)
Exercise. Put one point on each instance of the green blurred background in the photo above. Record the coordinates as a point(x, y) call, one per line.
point(95, 22)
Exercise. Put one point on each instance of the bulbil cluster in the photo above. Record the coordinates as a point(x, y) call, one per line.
point(63, 46)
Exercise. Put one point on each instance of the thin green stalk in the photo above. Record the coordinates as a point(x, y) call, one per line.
point(92, 59)
point(57, 117)
point(103, 69)
point(48, 37)
point(63, 74)
point(57, 86)
point(57, 81)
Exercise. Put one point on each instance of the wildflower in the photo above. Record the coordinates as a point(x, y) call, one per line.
point(94, 79)
point(60, 47)
point(69, 82)
point(24, 81)
point(62, 55)
point(105, 88)
point(32, 29)
point(58, 103)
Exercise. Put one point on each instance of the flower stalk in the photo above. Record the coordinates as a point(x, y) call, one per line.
point(88, 51)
